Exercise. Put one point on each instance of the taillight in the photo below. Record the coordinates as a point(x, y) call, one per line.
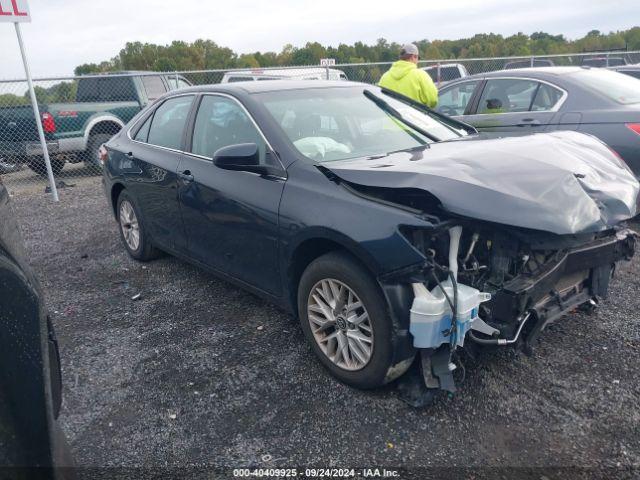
point(634, 127)
point(48, 123)
point(103, 154)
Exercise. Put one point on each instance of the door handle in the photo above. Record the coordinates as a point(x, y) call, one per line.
point(186, 176)
point(129, 154)
point(532, 122)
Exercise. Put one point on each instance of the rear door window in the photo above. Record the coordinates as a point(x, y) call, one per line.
point(507, 95)
point(240, 79)
point(177, 84)
point(547, 97)
point(154, 86)
point(454, 100)
point(106, 89)
point(169, 120)
point(143, 132)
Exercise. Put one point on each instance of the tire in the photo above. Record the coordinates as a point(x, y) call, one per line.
point(38, 165)
point(91, 156)
point(129, 223)
point(347, 272)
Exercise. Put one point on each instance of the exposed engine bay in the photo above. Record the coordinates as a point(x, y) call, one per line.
point(502, 285)
point(493, 284)
point(522, 272)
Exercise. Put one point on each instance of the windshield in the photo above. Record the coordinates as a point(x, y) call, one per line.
point(620, 88)
point(328, 124)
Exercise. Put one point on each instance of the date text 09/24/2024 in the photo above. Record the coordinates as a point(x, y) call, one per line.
point(316, 473)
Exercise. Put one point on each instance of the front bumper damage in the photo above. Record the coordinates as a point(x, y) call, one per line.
point(581, 276)
point(523, 307)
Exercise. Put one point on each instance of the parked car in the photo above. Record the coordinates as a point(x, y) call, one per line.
point(446, 72)
point(529, 63)
point(75, 131)
point(594, 101)
point(30, 379)
point(260, 74)
point(603, 61)
point(631, 70)
point(355, 208)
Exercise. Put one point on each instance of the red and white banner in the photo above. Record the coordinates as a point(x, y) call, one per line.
point(14, 11)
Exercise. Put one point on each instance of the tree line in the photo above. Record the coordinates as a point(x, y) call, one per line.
point(207, 55)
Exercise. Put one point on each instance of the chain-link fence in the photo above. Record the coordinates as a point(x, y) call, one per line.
point(79, 114)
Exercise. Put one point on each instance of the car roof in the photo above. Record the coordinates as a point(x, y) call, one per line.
point(551, 71)
point(272, 86)
point(544, 73)
point(282, 72)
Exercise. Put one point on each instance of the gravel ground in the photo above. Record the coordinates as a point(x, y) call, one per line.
point(200, 373)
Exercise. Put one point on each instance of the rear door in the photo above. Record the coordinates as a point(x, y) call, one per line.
point(231, 217)
point(151, 168)
point(519, 106)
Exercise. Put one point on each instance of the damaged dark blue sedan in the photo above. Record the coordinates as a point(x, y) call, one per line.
point(386, 228)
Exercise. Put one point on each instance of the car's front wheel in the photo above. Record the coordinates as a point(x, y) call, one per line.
point(345, 319)
point(132, 230)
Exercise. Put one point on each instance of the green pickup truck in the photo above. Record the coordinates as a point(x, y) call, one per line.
point(75, 131)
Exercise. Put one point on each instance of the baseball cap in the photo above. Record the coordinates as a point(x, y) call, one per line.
point(409, 49)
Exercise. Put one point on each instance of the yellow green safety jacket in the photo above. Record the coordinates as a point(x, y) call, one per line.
point(406, 78)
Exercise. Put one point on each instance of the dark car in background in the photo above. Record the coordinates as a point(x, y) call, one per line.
point(354, 208)
point(595, 101)
point(30, 378)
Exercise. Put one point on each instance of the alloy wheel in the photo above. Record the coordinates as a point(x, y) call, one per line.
point(129, 225)
point(340, 324)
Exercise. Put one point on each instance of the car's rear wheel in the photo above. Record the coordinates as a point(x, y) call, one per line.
point(345, 319)
point(132, 230)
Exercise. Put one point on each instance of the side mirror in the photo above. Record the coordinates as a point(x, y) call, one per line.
point(244, 157)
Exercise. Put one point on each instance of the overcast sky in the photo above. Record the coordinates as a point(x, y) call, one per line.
point(66, 33)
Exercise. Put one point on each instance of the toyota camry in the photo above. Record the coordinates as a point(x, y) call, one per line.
point(386, 228)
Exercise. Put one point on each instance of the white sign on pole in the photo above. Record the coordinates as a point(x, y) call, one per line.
point(327, 62)
point(14, 11)
point(17, 12)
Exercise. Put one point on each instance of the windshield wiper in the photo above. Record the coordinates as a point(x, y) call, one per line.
point(395, 113)
point(411, 149)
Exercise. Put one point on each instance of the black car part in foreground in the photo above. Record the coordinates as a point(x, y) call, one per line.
point(386, 228)
point(31, 442)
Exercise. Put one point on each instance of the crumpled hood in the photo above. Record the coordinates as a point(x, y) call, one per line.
point(560, 182)
point(401, 68)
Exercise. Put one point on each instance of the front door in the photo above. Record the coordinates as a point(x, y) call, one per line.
point(231, 217)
